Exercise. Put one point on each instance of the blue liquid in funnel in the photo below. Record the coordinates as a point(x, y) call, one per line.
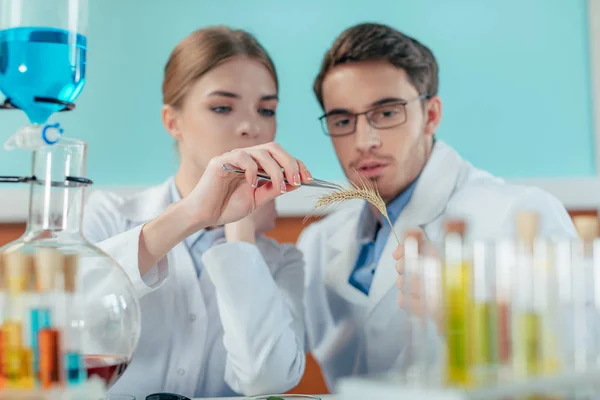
point(41, 62)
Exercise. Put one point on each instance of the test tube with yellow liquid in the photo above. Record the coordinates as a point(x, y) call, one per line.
point(545, 290)
point(458, 305)
point(27, 354)
point(547, 306)
point(17, 360)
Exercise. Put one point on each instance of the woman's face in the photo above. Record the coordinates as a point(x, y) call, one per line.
point(231, 106)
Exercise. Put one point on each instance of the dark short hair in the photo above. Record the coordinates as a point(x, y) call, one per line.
point(378, 42)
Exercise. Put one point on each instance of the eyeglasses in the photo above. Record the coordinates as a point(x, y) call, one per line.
point(385, 116)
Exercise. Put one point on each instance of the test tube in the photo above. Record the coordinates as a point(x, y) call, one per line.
point(526, 319)
point(2, 288)
point(2, 307)
point(546, 303)
point(483, 316)
point(505, 262)
point(564, 255)
point(595, 312)
point(458, 302)
point(28, 377)
point(74, 364)
point(583, 276)
point(412, 276)
point(47, 336)
point(433, 357)
point(40, 308)
point(16, 360)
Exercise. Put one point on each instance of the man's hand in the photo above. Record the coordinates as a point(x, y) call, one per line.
point(419, 278)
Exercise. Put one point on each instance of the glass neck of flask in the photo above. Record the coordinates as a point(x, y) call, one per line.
point(55, 204)
point(54, 210)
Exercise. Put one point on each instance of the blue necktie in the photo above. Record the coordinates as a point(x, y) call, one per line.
point(362, 276)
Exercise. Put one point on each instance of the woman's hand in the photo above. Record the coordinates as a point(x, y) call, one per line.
point(222, 197)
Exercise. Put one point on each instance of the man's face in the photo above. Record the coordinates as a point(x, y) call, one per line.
point(390, 157)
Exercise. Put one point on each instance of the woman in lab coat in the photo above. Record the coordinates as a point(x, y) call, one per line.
point(221, 304)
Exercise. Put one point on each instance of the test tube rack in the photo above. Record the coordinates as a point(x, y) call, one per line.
point(389, 387)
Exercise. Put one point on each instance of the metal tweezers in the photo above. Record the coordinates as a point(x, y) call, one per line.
point(263, 176)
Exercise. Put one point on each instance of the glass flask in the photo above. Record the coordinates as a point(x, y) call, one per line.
point(43, 47)
point(70, 311)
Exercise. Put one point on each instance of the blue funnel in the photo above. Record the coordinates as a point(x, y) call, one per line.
point(41, 69)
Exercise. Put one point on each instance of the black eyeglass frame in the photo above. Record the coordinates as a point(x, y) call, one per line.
point(323, 118)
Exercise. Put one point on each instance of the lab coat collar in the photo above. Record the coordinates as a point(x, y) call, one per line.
point(147, 204)
point(432, 192)
point(434, 187)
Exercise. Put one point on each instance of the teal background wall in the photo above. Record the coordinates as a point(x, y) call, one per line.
point(514, 78)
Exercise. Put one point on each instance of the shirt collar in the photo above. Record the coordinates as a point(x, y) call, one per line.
point(394, 208)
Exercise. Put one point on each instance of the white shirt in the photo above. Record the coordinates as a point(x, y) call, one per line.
point(351, 333)
point(238, 328)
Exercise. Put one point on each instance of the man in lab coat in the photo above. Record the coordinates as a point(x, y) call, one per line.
point(379, 92)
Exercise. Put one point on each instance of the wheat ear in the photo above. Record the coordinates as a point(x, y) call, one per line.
point(364, 191)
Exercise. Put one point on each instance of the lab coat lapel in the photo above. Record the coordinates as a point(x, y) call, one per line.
point(343, 248)
point(148, 204)
point(187, 279)
point(432, 192)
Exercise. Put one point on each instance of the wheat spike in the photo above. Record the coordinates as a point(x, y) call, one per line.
point(364, 191)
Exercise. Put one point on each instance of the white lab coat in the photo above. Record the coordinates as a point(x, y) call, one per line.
point(351, 333)
point(237, 328)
